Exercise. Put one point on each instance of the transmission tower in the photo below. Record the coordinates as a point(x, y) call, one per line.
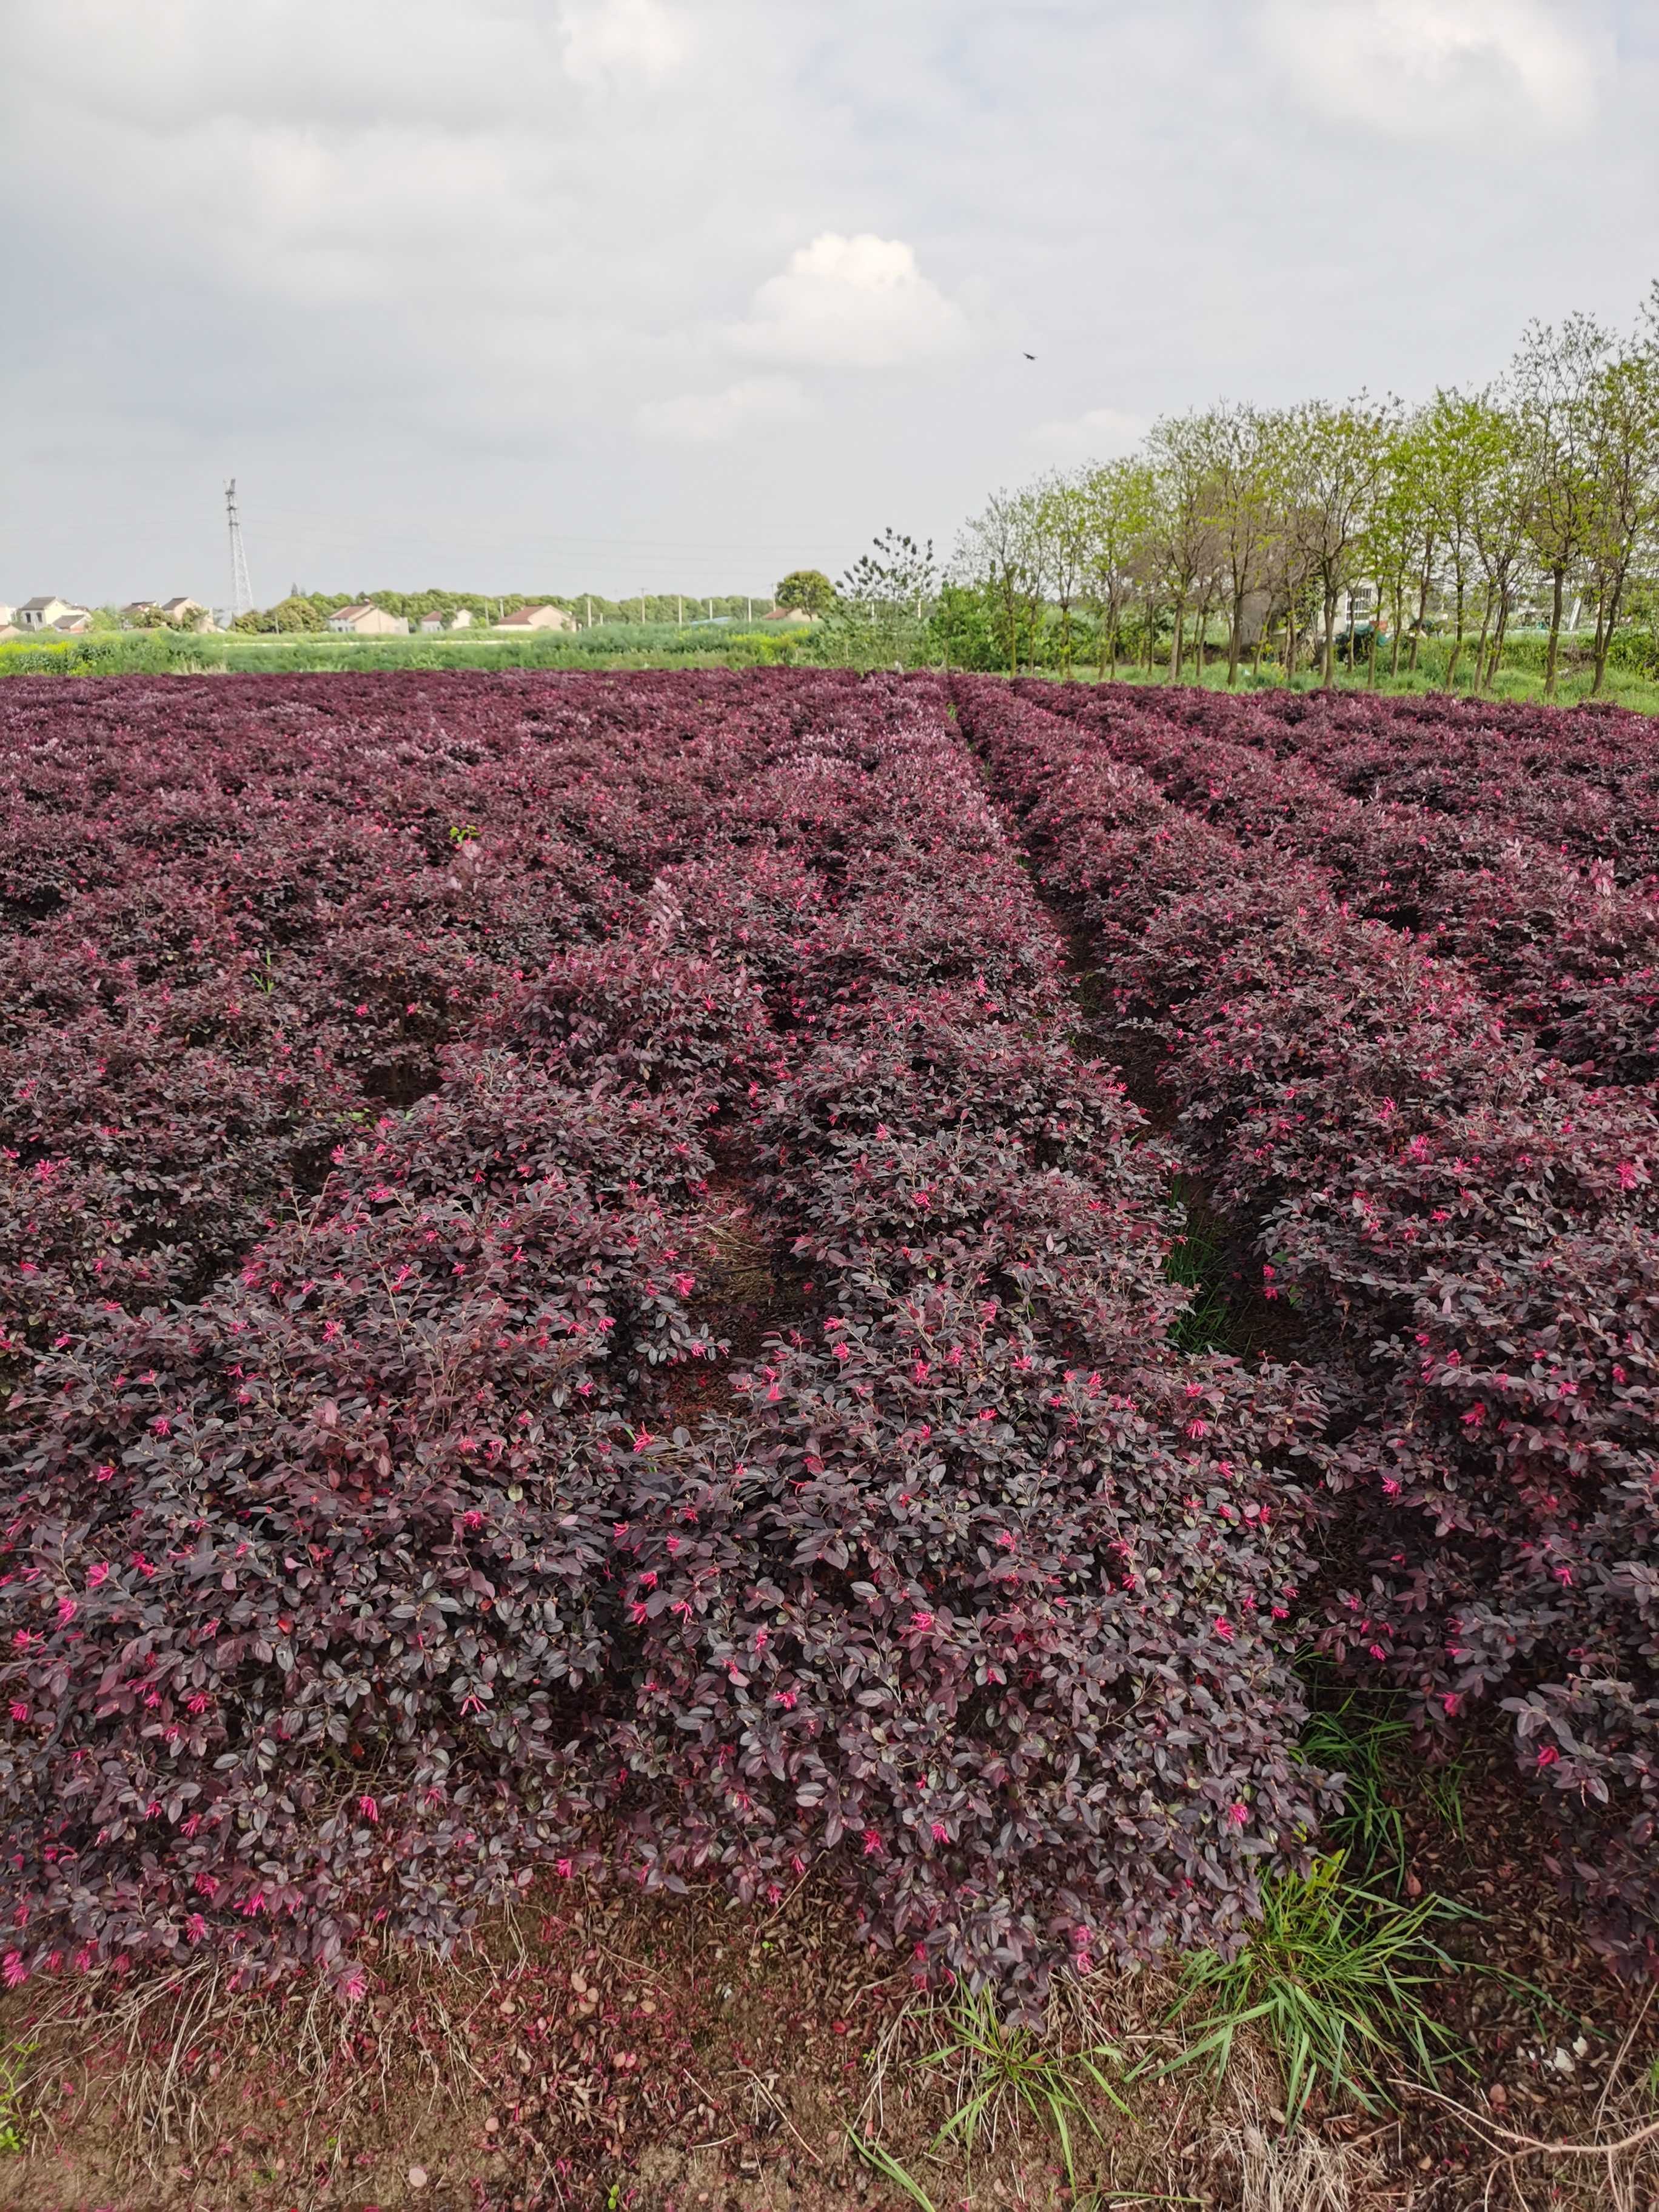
point(241, 592)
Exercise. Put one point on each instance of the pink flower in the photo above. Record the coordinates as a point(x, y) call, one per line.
point(1548, 1755)
point(14, 1971)
point(96, 1576)
point(1238, 1814)
point(941, 1833)
point(67, 1609)
point(1224, 1628)
point(370, 1810)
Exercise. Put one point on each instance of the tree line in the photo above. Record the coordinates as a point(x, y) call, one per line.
point(1318, 531)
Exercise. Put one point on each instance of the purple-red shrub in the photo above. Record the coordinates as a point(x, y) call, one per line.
point(1483, 1226)
point(383, 1567)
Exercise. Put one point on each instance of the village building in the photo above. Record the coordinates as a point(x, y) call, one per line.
point(364, 619)
point(47, 612)
point(537, 617)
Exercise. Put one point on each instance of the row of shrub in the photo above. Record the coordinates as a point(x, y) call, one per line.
point(1477, 1228)
point(1562, 948)
point(389, 1067)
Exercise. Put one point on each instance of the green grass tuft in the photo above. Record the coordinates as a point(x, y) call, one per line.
point(1332, 1978)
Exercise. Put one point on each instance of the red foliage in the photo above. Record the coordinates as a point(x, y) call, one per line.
point(372, 1048)
point(1484, 1225)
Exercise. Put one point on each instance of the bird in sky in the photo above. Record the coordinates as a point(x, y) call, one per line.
point(1030, 356)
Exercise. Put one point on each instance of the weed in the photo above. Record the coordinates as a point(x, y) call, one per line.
point(1003, 2071)
point(1198, 1263)
point(12, 2140)
point(889, 2167)
point(1332, 1978)
point(1352, 1740)
point(1443, 1786)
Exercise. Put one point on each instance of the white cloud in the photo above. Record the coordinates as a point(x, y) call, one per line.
point(859, 302)
point(1427, 68)
point(1101, 433)
point(705, 417)
point(609, 39)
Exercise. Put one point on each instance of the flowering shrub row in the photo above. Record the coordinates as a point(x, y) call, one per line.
point(365, 1550)
point(979, 1589)
point(1484, 1228)
point(1565, 950)
point(244, 921)
point(1580, 781)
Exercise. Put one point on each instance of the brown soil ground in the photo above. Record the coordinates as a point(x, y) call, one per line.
point(608, 2051)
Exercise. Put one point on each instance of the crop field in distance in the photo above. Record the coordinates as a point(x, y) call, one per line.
point(782, 1438)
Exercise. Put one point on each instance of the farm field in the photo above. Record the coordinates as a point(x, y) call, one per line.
point(934, 1336)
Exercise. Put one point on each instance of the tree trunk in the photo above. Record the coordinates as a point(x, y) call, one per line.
point(1604, 635)
point(1457, 642)
point(1422, 608)
point(1377, 618)
point(1497, 638)
point(1329, 677)
point(1178, 642)
point(1399, 620)
point(1480, 642)
point(1560, 576)
point(1290, 639)
point(1234, 641)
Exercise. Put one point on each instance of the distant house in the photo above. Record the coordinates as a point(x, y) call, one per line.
point(432, 622)
point(538, 618)
point(365, 619)
point(8, 615)
point(190, 613)
point(461, 619)
point(44, 613)
point(791, 614)
point(140, 613)
point(74, 624)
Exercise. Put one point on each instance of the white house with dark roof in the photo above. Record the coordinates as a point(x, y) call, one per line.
point(47, 612)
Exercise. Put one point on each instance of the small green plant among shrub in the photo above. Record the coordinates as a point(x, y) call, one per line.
point(1005, 2074)
point(1363, 1747)
point(1332, 1978)
point(12, 2140)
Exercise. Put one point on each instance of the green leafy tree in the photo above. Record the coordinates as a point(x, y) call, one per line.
point(883, 604)
point(1624, 412)
point(1183, 537)
point(1060, 520)
point(1001, 551)
point(1120, 500)
point(1554, 378)
point(808, 590)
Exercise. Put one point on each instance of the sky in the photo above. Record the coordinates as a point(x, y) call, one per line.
point(680, 294)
